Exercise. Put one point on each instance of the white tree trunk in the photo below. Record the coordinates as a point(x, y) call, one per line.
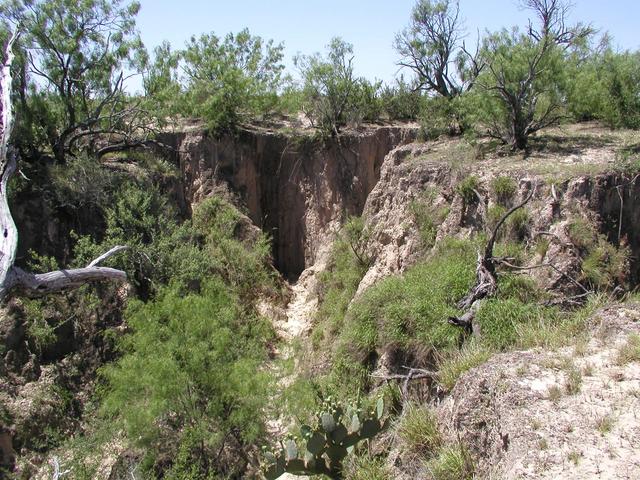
point(12, 278)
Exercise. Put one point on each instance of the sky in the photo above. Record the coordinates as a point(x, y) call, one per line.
point(306, 26)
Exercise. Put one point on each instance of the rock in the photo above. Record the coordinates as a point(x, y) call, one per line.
point(294, 188)
point(507, 415)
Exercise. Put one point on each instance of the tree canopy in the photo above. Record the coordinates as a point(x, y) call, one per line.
point(74, 58)
point(432, 46)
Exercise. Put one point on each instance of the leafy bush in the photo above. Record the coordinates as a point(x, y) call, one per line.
point(357, 235)
point(333, 95)
point(191, 376)
point(443, 116)
point(523, 88)
point(230, 80)
point(467, 189)
point(621, 107)
point(368, 103)
point(163, 250)
point(400, 101)
point(504, 188)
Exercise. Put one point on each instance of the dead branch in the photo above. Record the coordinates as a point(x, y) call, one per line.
point(104, 256)
point(550, 265)
point(414, 374)
point(486, 278)
point(620, 190)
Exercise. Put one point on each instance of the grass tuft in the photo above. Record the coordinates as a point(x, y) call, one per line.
point(630, 351)
point(452, 463)
point(604, 424)
point(454, 364)
point(418, 429)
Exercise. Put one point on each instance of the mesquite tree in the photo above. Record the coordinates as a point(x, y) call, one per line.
point(523, 84)
point(432, 47)
point(73, 57)
point(13, 278)
point(330, 87)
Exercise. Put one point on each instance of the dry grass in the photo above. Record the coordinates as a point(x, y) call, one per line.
point(604, 423)
point(629, 351)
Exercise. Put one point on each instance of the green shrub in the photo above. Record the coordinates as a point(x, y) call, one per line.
point(357, 235)
point(81, 182)
point(467, 189)
point(40, 334)
point(443, 116)
point(191, 375)
point(231, 80)
point(621, 107)
point(504, 188)
point(333, 95)
point(368, 103)
point(400, 101)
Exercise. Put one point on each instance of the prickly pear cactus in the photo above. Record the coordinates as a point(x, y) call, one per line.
point(320, 450)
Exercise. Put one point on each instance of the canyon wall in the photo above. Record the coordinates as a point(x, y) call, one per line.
point(297, 189)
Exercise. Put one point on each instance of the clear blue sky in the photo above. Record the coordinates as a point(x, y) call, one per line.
point(370, 25)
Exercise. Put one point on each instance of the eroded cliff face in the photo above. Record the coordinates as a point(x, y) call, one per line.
point(421, 180)
point(296, 189)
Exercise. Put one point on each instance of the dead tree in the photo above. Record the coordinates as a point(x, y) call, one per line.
point(486, 276)
point(12, 278)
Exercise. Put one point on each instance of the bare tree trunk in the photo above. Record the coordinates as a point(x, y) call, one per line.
point(13, 278)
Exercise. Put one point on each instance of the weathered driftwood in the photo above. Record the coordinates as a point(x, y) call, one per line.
point(13, 279)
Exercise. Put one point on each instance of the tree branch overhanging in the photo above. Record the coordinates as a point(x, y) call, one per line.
point(14, 279)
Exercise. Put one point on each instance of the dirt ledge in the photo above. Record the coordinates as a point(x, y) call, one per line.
point(520, 419)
